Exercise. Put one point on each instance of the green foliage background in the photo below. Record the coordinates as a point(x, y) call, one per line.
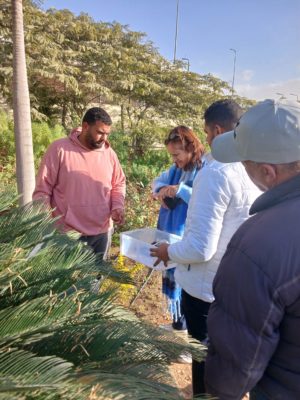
point(88, 63)
point(74, 62)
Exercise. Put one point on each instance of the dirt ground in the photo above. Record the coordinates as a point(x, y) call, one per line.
point(149, 305)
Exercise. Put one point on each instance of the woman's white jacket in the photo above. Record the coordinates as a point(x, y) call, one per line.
point(222, 196)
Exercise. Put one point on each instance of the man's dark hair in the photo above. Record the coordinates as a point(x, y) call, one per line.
point(96, 114)
point(225, 113)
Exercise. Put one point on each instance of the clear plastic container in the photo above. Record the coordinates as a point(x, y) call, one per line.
point(136, 245)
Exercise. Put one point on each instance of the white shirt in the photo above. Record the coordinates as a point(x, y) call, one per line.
point(222, 196)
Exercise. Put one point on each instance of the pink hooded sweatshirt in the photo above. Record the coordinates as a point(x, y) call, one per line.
point(82, 186)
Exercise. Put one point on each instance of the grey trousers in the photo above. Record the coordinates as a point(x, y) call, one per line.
point(99, 243)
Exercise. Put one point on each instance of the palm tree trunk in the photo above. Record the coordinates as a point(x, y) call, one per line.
point(21, 106)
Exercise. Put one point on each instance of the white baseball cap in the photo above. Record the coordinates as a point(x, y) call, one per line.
point(268, 132)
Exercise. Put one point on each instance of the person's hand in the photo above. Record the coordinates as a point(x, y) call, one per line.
point(161, 252)
point(117, 216)
point(171, 190)
point(161, 194)
point(166, 191)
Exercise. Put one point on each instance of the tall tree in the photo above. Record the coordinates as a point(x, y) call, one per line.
point(21, 107)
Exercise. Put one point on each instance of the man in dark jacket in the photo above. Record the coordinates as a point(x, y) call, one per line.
point(254, 323)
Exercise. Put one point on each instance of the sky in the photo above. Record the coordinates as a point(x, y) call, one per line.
point(264, 33)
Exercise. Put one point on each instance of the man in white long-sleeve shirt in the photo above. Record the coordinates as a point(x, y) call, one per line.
point(222, 196)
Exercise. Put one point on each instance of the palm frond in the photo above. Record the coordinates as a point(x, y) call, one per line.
point(21, 371)
point(124, 386)
point(47, 309)
point(8, 199)
point(26, 225)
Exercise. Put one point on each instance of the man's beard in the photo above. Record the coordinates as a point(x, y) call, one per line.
point(92, 144)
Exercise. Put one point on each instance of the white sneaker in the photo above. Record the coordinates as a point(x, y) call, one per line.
point(169, 327)
point(185, 358)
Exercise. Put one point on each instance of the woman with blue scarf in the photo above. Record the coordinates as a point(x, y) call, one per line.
point(173, 188)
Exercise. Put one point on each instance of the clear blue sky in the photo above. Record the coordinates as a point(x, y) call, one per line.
point(265, 34)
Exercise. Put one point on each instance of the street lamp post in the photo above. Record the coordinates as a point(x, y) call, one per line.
point(282, 96)
point(233, 76)
point(176, 32)
point(188, 63)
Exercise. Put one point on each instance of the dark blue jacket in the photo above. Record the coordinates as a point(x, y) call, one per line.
point(254, 323)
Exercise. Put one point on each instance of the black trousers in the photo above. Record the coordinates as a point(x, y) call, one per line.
point(195, 312)
point(257, 394)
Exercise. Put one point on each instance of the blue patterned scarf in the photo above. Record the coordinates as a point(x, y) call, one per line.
point(173, 221)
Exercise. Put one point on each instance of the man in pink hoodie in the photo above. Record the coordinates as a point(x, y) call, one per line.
point(81, 179)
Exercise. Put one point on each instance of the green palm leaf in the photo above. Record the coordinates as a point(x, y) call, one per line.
point(125, 386)
point(47, 309)
point(21, 371)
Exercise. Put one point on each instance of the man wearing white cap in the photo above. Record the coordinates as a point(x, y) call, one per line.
point(254, 323)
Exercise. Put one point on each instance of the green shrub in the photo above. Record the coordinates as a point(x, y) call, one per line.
point(7, 140)
point(43, 135)
point(140, 170)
